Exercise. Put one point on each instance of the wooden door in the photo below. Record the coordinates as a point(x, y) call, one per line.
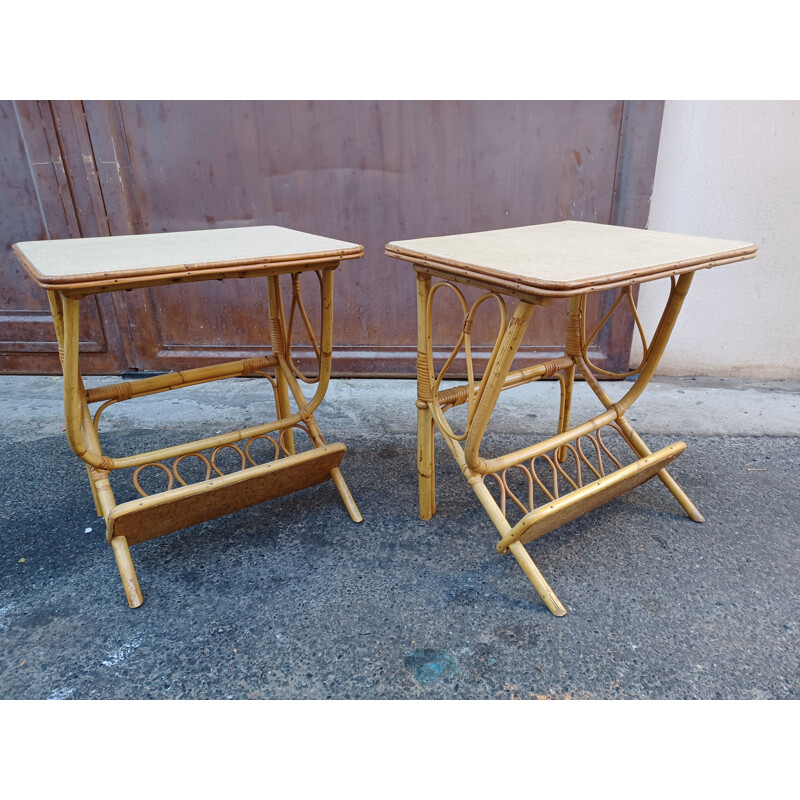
point(39, 199)
point(367, 172)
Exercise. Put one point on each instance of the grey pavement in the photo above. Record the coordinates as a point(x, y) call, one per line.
point(290, 599)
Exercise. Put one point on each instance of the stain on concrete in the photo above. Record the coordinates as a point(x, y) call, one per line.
point(430, 666)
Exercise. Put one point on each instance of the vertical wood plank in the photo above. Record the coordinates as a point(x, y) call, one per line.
point(37, 202)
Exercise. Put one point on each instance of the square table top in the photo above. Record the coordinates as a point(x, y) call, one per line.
point(145, 259)
point(565, 258)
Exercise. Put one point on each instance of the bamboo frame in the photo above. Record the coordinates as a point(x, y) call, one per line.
point(568, 444)
point(156, 514)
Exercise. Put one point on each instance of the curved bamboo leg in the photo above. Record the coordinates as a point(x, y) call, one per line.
point(336, 474)
point(130, 583)
point(649, 366)
point(56, 310)
point(639, 446)
point(306, 408)
point(83, 437)
point(495, 382)
point(637, 443)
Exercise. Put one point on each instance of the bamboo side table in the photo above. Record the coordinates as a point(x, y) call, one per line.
point(72, 269)
point(545, 485)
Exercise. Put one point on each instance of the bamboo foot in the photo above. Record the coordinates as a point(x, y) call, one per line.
point(681, 496)
point(426, 465)
point(347, 498)
point(643, 450)
point(130, 583)
point(537, 579)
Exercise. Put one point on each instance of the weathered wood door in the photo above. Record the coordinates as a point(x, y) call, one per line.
point(40, 198)
point(367, 172)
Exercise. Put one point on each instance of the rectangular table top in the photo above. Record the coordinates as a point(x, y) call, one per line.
point(563, 258)
point(147, 257)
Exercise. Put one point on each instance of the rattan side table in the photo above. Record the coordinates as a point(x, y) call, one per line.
point(542, 486)
point(271, 465)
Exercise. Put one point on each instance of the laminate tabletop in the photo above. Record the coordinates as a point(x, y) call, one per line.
point(563, 258)
point(152, 256)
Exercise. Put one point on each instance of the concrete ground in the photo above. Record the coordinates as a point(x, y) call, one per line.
point(290, 599)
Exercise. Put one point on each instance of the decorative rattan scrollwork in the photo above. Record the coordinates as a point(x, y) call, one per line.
point(474, 390)
point(297, 308)
point(625, 293)
point(551, 475)
point(243, 452)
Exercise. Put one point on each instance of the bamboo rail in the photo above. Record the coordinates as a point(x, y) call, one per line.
point(125, 390)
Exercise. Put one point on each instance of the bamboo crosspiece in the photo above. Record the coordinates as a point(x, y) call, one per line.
point(574, 471)
point(267, 462)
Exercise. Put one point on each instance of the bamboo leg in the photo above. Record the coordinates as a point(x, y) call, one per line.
point(654, 353)
point(83, 436)
point(95, 496)
point(75, 401)
point(278, 337)
point(426, 465)
point(659, 342)
point(347, 497)
point(494, 384)
point(568, 380)
point(517, 548)
point(282, 408)
point(283, 371)
point(336, 474)
point(126, 571)
point(486, 404)
point(643, 450)
point(537, 579)
point(638, 444)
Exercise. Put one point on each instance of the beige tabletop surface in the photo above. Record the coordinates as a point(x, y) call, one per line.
point(569, 255)
point(64, 261)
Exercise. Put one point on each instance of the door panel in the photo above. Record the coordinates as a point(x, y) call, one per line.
point(37, 203)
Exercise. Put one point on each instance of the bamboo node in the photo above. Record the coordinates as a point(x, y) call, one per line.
point(454, 396)
point(97, 474)
point(551, 367)
point(277, 335)
point(250, 365)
